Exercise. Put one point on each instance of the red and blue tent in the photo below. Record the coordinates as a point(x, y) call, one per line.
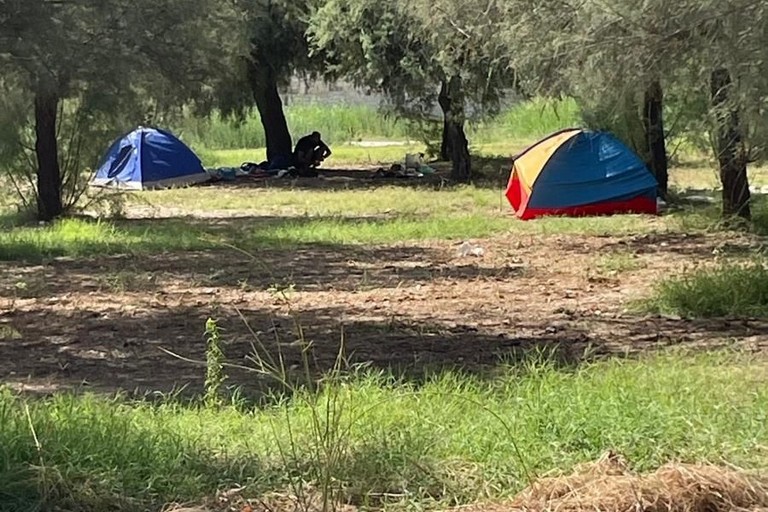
point(578, 173)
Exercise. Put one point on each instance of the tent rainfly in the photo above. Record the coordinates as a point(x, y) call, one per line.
point(579, 173)
point(149, 158)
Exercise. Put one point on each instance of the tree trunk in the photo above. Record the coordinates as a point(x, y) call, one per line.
point(49, 205)
point(729, 145)
point(653, 122)
point(270, 107)
point(444, 100)
point(461, 169)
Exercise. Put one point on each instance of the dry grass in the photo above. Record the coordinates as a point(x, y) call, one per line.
point(306, 499)
point(610, 485)
point(607, 485)
point(697, 174)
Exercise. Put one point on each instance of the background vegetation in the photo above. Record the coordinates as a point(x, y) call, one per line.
point(684, 83)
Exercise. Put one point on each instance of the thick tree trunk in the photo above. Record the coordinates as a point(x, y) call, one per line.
point(270, 107)
point(653, 122)
point(49, 205)
point(729, 144)
point(461, 169)
point(444, 100)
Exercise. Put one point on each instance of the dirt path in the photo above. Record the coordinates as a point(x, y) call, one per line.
point(413, 307)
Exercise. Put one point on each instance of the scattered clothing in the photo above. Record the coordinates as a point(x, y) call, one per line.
point(396, 171)
point(280, 162)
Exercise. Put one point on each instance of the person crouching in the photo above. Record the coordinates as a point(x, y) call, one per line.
point(309, 153)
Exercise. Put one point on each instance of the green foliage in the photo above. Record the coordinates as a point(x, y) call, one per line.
point(525, 121)
point(730, 289)
point(102, 81)
point(451, 440)
point(214, 366)
point(276, 51)
point(407, 50)
point(377, 46)
point(332, 413)
point(13, 126)
point(337, 123)
point(607, 55)
point(528, 121)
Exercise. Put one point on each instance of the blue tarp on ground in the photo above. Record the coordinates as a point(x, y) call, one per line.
point(149, 158)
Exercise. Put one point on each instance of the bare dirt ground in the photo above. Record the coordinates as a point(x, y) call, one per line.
point(102, 324)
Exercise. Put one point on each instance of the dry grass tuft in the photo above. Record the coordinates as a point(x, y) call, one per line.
point(308, 500)
point(609, 485)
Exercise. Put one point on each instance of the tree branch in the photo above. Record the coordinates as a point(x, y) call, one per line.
point(453, 23)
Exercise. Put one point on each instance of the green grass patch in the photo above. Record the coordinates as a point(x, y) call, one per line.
point(345, 123)
point(454, 439)
point(88, 238)
point(530, 121)
point(83, 238)
point(617, 262)
point(730, 289)
point(253, 219)
point(260, 218)
point(374, 201)
point(338, 123)
point(342, 230)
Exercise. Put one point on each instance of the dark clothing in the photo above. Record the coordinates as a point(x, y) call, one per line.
point(310, 152)
point(280, 162)
point(305, 144)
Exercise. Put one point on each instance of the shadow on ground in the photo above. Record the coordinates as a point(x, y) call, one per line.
point(105, 351)
point(489, 172)
point(695, 245)
point(332, 267)
point(111, 323)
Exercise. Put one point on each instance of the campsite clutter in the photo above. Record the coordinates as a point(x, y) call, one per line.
point(414, 167)
point(573, 172)
point(469, 249)
point(153, 158)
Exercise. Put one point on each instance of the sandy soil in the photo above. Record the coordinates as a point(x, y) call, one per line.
point(108, 323)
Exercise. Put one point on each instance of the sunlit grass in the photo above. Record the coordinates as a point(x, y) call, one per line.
point(343, 123)
point(86, 238)
point(453, 440)
point(270, 217)
point(734, 289)
point(529, 121)
point(698, 175)
point(354, 202)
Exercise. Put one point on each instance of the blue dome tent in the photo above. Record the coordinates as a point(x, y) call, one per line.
point(149, 158)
